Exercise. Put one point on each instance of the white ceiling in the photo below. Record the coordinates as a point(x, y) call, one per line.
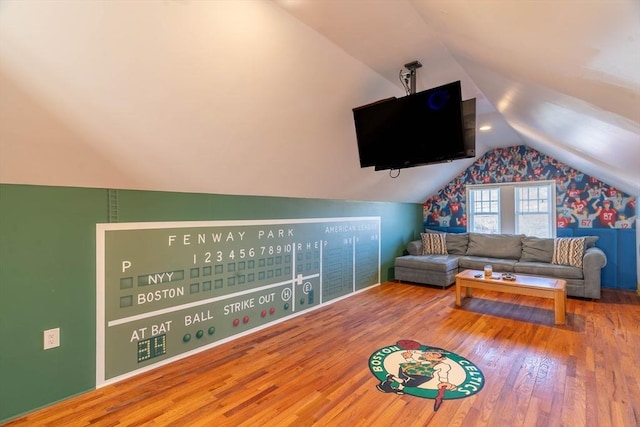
point(254, 97)
point(562, 77)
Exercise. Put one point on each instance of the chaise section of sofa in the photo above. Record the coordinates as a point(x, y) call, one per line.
point(506, 253)
point(438, 270)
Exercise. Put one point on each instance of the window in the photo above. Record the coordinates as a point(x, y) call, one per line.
point(533, 211)
point(512, 208)
point(484, 210)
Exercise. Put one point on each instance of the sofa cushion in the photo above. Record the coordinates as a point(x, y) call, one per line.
point(478, 263)
point(457, 243)
point(536, 249)
point(550, 270)
point(590, 241)
point(507, 246)
point(433, 244)
point(569, 251)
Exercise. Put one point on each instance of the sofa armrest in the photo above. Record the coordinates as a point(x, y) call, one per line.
point(594, 258)
point(415, 247)
point(593, 262)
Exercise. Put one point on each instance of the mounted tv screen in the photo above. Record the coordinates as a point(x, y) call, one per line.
point(469, 127)
point(418, 129)
point(374, 127)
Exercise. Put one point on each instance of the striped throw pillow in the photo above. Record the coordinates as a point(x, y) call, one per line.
point(434, 244)
point(568, 251)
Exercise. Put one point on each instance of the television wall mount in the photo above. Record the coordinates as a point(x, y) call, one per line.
point(412, 67)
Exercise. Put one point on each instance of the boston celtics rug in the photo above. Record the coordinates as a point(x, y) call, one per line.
point(409, 367)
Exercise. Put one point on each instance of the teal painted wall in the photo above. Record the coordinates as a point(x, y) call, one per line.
point(48, 271)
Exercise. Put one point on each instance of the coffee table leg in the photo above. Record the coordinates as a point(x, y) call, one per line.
point(458, 299)
point(560, 308)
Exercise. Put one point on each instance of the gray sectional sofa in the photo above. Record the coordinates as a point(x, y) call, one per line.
point(507, 253)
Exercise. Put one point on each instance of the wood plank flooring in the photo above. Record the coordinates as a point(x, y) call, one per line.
point(313, 370)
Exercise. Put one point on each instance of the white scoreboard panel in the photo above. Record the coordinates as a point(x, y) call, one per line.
point(171, 289)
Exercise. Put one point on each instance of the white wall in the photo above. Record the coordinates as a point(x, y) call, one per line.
point(228, 97)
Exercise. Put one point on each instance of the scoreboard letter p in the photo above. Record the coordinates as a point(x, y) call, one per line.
point(125, 265)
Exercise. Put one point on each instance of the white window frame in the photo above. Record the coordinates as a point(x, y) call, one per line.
point(507, 210)
point(486, 203)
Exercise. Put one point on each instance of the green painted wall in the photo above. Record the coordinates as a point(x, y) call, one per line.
point(47, 270)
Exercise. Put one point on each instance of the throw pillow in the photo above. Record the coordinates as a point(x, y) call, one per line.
point(434, 244)
point(569, 251)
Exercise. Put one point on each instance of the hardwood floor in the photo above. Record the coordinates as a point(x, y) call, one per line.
point(313, 370)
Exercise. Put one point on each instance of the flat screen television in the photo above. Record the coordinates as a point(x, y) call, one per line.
point(375, 125)
point(469, 127)
point(418, 129)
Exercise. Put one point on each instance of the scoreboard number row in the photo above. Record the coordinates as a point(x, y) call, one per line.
point(218, 256)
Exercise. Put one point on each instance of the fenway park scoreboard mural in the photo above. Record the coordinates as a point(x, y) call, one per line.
point(169, 290)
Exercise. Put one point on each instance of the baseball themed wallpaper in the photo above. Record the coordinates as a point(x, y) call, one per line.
point(582, 201)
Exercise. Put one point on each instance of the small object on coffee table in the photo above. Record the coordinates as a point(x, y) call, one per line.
point(488, 271)
point(508, 276)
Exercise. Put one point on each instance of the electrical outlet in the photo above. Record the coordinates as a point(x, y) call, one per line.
point(51, 338)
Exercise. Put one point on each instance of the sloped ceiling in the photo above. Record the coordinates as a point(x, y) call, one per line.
point(562, 77)
point(254, 97)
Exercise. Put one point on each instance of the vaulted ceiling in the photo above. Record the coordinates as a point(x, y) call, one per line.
point(562, 77)
point(254, 97)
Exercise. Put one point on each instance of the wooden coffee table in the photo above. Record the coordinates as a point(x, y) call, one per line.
point(545, 287)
